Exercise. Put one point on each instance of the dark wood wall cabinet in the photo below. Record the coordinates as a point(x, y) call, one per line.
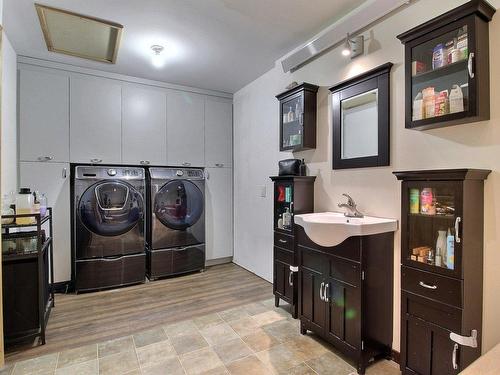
point(298, 118)
point(447, 68)
point(346, 294)
point(441, 270)
point(292, 195)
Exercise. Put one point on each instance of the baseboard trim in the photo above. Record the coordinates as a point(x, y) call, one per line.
point(215, 262)
point(396, 356)
point(62, 287)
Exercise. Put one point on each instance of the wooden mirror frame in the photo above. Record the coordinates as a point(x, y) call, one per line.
point(377, 78)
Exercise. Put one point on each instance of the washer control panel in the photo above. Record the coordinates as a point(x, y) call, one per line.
point(107, 173)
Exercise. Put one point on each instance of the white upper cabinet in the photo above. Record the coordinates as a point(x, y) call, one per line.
point(144, 125)
point(95, 120)
point(218, 132)
point(185, 129)
point(43, 116)
point(219, 213)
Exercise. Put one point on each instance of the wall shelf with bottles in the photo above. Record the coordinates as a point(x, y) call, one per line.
point(447, 68)
point(441, 269)
point(298, 118)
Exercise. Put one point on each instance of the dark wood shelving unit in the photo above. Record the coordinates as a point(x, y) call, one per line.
point(299, 132)
point(442, 299)
point(28, 295)
point(300, 201)
point(466, 29)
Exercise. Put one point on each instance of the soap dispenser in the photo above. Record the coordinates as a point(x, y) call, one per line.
point(287, 219)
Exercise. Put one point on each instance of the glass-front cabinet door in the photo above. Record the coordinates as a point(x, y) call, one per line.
point(292, 119)
point(447, 68)
point(432, 230)
point(283, 206)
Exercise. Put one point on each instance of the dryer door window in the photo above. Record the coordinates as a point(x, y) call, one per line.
point(178, 204)
point(110, 208)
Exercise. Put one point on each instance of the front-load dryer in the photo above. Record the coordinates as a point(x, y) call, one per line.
point(109, 226)
point(176, 232)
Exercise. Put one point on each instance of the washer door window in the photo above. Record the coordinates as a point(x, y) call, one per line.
point(110, 208)
point(178, 204)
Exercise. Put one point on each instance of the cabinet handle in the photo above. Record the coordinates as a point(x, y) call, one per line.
point(186, 164)
point(64, 173)
point(327, 288)
point(454, 357)
point(424, 285)
point(45, 158)
point(96, 160)
point(290, 278)
point(219, 165)
point(282, 241)
point(457, 229)
point(469, 65)
point(321, 292)
point(145, 162)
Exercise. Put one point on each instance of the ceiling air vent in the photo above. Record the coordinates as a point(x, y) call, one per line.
point(78, 35)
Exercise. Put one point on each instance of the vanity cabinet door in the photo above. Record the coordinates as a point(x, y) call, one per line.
point(343, 314)
point(281, 283)
point(312, 307)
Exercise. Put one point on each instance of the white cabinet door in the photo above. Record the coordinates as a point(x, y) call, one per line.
point(219, 213)
point(144, 125)
point(185, 129)
point(95, 113)
point(53, 180)
point(218, 132)
point(43, 116)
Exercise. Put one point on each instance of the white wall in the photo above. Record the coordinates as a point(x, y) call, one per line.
point(256, 133)
point(9, 117)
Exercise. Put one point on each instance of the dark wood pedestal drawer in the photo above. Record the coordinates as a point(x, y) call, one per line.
point(284, 241)
point(431, 285)
point(188, 259)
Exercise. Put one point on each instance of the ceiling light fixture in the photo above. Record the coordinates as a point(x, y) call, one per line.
point(157, 59)
point(353, 46)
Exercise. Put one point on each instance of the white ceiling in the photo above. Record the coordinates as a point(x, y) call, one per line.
point(212, 44)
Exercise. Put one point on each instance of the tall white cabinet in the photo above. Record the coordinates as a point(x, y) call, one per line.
point(144, 125)
point(43, 116)
point(53, 180)
point(95, 120)
point(185, 129)
point(218, 132)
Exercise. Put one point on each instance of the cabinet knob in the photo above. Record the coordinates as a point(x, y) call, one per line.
point(45, 158)
point(96, 160)
point(219, 165)
point(145, 162)
point(186, 164)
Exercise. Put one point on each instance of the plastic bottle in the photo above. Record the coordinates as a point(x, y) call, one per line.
point(450, 250)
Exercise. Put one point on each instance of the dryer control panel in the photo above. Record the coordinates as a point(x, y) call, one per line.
point(177, 173)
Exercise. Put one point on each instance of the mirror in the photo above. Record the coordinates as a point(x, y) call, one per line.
point(359, 126)
point(361, 113)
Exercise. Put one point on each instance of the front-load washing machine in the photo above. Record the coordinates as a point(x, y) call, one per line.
point(176, 230)
point(109, 226)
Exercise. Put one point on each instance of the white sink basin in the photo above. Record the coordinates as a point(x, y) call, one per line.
point(332, 228)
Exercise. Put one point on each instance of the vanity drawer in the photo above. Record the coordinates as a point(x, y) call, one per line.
point(430, 285)
point(285, 256)
point(283, 240)
point(446, 316)
point(345, 271)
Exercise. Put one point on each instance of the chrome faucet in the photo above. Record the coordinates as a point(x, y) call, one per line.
point(350, 206)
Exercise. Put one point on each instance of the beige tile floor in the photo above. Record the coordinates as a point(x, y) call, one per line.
point(255, 339)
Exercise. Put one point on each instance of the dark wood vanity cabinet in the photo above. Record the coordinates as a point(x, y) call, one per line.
point(441, 281)
point(346, 294)
point(295, 195)
point(447, 68)
point(298, 118)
